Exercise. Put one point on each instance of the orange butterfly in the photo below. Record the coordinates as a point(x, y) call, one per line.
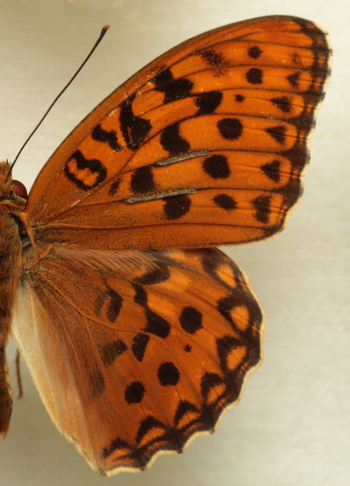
point(137, 333)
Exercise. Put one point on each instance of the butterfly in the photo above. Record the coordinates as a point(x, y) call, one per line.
point(137, 331)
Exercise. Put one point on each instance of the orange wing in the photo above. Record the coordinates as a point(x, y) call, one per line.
point(135, 351)
point(134, 362)
point(204, 146)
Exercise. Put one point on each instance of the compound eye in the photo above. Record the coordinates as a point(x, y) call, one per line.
point(20, 189)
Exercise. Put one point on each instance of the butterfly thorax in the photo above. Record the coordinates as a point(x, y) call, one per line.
point(10, 264)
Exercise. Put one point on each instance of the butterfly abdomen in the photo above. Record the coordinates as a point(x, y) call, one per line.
point(10, 259)
point(10, 264)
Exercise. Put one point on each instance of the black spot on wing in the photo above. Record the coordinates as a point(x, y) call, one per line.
point(114, 304)
point(213, 58)
point(139, 345)
point(217, 167)
point(191, 320)
point(134, 128)
point(208, 102)
point(157, 275)
point(113, 189)
point(172, 141)
point(254, 52)
point(239, 98)
point(104, 136)
point(173, 89)
point(176, 207)
point(226, 202)
point(142, 180)
point(134, 392)
point(156, 324)
point(168, 374)
point(254, 76)
point(141, 297)
point(230, 128)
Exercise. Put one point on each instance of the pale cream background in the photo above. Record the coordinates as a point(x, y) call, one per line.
point(292, 426)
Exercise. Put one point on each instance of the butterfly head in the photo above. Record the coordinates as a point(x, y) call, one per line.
point(11, 190)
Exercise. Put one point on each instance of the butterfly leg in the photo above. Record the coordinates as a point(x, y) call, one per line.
point(5, 394)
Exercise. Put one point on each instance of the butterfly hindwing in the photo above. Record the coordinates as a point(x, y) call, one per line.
point(142, 360)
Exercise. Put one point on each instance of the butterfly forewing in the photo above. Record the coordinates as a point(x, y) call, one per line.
point(135, 341)
point(212, 134)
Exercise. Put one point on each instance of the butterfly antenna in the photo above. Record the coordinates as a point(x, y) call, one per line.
point(103, 31)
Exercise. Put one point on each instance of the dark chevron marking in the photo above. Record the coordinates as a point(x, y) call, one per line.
point(225, 345)
point(184, 407)
point(293, 79)
point(283, 103)
point(272, 170)
point(95, 167)
point(278, 133)
point(263, 210)
point(210, 380)
point(146, 425)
